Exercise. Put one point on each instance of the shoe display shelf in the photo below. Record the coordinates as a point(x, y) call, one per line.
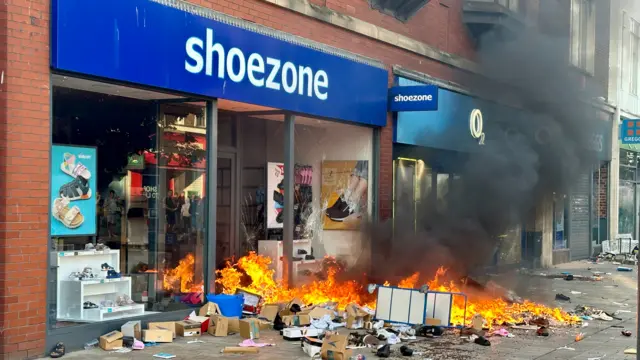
point(72, 294)
point(274, 249)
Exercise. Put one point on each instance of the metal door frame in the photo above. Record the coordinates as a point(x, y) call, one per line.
point(234, 225)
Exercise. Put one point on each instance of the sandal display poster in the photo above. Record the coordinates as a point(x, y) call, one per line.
point(344, 191)
point(73, 189)
point(275, 195)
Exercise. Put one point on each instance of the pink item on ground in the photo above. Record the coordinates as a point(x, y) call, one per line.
point(251, 343)
point(137, 345)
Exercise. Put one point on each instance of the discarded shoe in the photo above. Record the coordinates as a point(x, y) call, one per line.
point(542, 331)
point(562, 297)
point(568, 277)
point(371, 341)
point(58, 351)
point(481, 340)
point(626, 333)
point(278, 324)
point(384, 351)
point(406, 351)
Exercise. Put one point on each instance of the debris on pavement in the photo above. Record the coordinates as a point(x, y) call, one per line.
point(481, 340)
point(239, 350)
point(542, 331)
point(631, 351)
point(624, 269)
point(626, 333)
point(579, 337)
point(566, 348)
point(562, 297)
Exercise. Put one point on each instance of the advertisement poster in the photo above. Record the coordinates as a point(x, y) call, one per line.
point(73, 190)
point(275, 195)
point(345, 187)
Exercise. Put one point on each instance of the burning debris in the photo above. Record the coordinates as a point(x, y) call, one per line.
point(252, 274)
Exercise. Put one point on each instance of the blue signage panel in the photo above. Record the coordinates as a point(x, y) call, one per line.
point(413, 98)
point(630, 131)
point(144, 42)
point(73, 190)
point(464, 123)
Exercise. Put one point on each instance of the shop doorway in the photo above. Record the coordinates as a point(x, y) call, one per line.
point(226, 239)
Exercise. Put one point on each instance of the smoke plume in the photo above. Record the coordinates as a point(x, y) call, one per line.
point(524, 159)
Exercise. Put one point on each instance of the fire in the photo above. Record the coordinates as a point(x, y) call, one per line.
point(183, 274)
point(259, 279)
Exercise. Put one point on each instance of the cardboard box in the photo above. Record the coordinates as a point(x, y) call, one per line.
point(264, 324)
point(311, 346)
point(167, 325)
point(219, 326)
point(297, 333)
point(209, 309)
point(252, 301)
point(202, 320)
point(249, 329)
point(357, 317)
point(111, 341)
point(296, 320)
point(319, 312)
point(435, 322)
point(286, 311)
point(270, 311)
point(334, 347)
point(188, 328)
point(132, 328)
point(234, 324)
point(157, 335)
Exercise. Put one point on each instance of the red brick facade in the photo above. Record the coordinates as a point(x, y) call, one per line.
point(25, 108)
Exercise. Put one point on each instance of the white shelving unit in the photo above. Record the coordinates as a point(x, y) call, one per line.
point(274, 250)
point(72, 294)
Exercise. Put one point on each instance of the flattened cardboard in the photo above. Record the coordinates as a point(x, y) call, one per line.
point(209, 309)
point(234, 324)
point(111, 341)
point(319, 312)
point(249, 329)
point(270, 311)
point(188, 328)
point(433, 322)
point(167, 325)
point(132, 328)
point(334, 347)
point(157, 335)
point(356, 317)
point(296, 320)
point(219, 326)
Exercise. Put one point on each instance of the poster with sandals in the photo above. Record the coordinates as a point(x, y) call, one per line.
point(345, 186)
point(73, 189)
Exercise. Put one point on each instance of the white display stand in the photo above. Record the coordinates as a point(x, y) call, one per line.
point(274, 250)
point(72, 294)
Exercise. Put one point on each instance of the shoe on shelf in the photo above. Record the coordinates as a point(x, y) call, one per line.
point(112, 274)
point(89, 246)
point(106, 267)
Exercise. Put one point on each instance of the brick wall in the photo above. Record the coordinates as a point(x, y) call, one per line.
point(601, 190)
point(24, 175)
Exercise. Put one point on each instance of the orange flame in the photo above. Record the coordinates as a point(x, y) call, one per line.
point(183, 274)
point(260, 279)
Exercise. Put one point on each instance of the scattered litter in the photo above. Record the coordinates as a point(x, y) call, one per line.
point(562, 297)
point(195, 341)
point(406, 351)
point(624, 269)
point(575, 292)
point(503, 332)
point(123, 350)
point(566, 348)
point(618, 312)
point(164, 356)
point(615, 263)
point(620, 304)
point(617, 326)
point(602, 316)
point(631, 351)
point(481, 340)
point(542, 331)
point(524, 327)
point(585, 324)
point(569, 277)
point(598, 358)
point(384, 351)
point(626, 333)
point(579, 337)
point(585, 317)
point(239, 350)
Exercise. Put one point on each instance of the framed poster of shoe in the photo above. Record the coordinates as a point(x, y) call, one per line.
point(73, 190)
point(275, 195)
point(345, 190)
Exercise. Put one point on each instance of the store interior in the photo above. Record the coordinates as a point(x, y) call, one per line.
point(150, 197)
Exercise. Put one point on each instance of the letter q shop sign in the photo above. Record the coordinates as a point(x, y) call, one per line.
point(413, 98)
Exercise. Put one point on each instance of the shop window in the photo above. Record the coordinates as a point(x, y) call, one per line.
point(560, 222)
point(583, 34)
point(128, 202)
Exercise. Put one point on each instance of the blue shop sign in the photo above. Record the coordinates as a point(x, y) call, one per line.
point(413, 98)
point(145, 42)
point(464, 123)
point(630, 131)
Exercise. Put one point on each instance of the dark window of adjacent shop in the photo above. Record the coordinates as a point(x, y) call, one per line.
point(127, 203)
point(628, 193)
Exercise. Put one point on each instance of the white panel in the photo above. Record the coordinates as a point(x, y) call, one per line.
point(431, 297)
point(400, 305)
point(442, 309)
point(416, 312)
point(383, 307)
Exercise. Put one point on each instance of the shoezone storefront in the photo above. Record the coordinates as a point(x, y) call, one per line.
point(437, 130)
point(183, 137)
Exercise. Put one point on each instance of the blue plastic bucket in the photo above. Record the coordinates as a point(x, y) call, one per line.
point(230, 305)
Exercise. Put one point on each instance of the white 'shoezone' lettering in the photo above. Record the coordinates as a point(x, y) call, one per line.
point(270, 72)
point(402, 98)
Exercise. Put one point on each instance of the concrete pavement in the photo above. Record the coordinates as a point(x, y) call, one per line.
point(603, 339)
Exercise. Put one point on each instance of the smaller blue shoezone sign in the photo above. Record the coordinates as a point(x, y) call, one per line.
point(148, 43)
point(413, 98)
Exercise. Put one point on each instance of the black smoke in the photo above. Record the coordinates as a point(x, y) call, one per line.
point(524, 160)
